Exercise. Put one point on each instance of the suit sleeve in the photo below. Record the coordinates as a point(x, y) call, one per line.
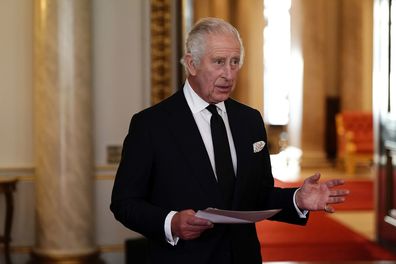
point(130, 201)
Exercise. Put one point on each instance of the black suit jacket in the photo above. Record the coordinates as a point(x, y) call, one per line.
point(165, 166)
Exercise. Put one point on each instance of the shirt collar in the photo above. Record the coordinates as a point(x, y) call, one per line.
point(195, 102)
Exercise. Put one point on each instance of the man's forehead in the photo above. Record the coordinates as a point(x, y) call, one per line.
point(223, 43)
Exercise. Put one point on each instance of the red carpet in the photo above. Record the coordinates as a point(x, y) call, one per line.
point(322, 239)
point(360, 198)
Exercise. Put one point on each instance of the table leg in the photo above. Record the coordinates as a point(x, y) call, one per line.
point(8, 225)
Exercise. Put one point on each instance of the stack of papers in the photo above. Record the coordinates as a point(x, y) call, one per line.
point(235, 217)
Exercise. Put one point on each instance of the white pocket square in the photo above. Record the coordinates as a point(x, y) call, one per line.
point(258, 146)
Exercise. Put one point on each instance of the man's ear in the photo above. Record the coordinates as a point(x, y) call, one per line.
point(191, 67)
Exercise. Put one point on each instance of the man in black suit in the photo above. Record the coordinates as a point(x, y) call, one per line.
point(168, 166)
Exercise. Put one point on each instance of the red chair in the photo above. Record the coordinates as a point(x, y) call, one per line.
point(354, 139)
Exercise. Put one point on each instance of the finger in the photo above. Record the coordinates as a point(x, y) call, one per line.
point(195, 229)
point(329, 209)
point(197, 224)
point(335, 200)
point(334, 182)
point(196, 221)
point(341, 192)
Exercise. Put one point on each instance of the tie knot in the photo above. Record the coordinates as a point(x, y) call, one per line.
point(213, 109)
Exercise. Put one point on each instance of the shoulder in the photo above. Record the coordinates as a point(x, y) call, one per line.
point(239, 108)
point(244, 117)
point(165, 107)
point(160, 113)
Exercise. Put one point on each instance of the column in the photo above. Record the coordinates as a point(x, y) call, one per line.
point(248, 18)
point(314, 50)
point(63, 133)
point(356, 17)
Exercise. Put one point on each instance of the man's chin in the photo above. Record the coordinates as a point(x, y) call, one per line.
point(221, 98)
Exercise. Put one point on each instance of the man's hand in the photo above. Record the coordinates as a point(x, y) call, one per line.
point(186, 226)
point(316, 196)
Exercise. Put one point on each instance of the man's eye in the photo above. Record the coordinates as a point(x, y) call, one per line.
point(235, 62)
point(219, 62)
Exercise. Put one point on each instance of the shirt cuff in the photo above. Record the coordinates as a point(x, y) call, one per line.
point(300, 214)
point(168, 230)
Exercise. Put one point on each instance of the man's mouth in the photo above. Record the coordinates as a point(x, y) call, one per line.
point(224, 87)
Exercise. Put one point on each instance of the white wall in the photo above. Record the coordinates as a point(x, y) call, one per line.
point(121, 61)
point(121, 87)
point(16, 89)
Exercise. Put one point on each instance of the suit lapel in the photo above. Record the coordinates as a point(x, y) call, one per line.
point(185, 130)
point(236, 121)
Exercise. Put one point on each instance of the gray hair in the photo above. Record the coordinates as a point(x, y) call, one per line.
point(196, 40)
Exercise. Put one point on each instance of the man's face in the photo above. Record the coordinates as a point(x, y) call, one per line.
point(215, 77)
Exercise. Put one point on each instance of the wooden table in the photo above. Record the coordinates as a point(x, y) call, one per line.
point(7, 187)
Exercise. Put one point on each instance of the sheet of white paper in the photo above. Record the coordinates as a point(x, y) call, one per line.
point(235, 217)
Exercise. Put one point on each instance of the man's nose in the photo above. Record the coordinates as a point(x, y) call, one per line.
point(227, 71)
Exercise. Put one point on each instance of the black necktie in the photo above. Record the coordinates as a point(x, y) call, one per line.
point(223, 162)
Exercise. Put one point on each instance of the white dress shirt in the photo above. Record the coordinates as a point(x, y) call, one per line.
point(202, 119)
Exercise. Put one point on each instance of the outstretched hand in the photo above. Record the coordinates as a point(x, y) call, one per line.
point(315, 196)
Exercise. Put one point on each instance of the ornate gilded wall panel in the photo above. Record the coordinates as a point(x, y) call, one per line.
point(161, 43)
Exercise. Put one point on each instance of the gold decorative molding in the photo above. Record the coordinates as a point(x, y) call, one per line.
point(27, 173)
point(161, 60)
point(17, 171)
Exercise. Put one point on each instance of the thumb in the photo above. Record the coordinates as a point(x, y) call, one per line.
point(313, 179)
